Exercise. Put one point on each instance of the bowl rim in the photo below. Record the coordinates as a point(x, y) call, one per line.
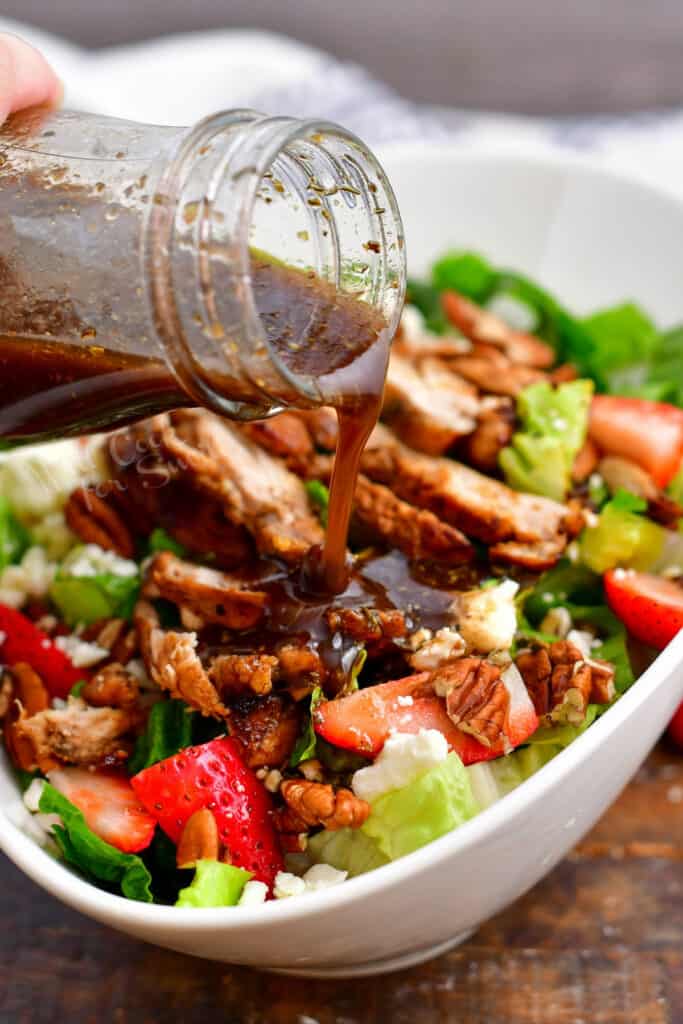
point(63, 883)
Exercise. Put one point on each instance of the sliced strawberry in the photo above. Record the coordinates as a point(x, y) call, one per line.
point(21, 640)
point(676, 727)
point(362, 721)
point(213, 775)
point(650, 607)
point(109, 805)
point(649, 433)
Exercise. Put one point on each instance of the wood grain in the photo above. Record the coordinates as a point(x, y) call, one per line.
point(600, 941)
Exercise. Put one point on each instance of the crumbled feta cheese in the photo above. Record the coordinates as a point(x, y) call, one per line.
point(516, 314)
point(582, 640)
point(434, 650)
point(403, 758)
point(311, 770)
point(500, 658)
point(38, 479)
point(488, 618)
point(81, 653)
point(557, 621)
point(254, 892)
point(322, 876)
point(30, 578)
point(33, 794)
point(91, 560)
point(287, 884)
point(136, 667)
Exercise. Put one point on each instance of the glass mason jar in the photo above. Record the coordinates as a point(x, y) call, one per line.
point(243, 264)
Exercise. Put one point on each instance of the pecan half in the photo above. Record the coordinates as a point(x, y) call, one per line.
point(562, 683)
point(198, 840)
point(28, 696)
point(266, 728)
point(477, 700)
point(314, 803)
point(111, 687)
point(94, 520)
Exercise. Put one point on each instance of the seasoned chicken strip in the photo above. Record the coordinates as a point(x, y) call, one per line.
point(256, 490)
point(78, 734)
point(213, 596)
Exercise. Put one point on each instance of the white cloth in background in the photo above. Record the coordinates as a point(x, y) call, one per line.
point(179, 79)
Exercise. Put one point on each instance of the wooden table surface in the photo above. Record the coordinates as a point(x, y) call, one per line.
point(600, 941)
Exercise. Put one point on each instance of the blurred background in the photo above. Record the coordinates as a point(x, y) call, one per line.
point(525, 56)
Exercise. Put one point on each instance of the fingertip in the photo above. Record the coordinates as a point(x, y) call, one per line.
point(26, 78)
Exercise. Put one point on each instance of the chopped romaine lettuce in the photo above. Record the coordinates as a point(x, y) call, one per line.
point(467, 273)
point(85, 590)
point(90, 854)
point(625, 340)
point(14, 538)
point(319, 496)
point(553, 428)
point(348, 849)
point(214, 885)
point(438, 801)
point(622, 537)
point(168, 730)
point(306, 744)
point(491, 780)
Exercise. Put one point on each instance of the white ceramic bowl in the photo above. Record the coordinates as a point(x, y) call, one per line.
point(595, 238)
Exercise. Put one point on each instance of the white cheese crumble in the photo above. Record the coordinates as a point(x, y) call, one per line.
point(253, 893)
point(31, 578)
point(488, 618)
point(33, 794)
point(81, 653)
point(582, 640)
point(557, 621)
point(433, 650)
point(38, 479)
point(320, 876)
point(92, 560)
point(403, 758)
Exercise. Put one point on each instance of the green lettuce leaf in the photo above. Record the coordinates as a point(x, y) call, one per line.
point(553, 428)
point(622, 537)
point(214, 885)
point(491, 780)
point(625, 340)
point(347, 849)
point(168, 730)
point(14, 538)
point(319, 496)
point(466, 272)
point(159, 540)
point(305, 746)
point(427, 299)
point(438, 801)
point(90, 854)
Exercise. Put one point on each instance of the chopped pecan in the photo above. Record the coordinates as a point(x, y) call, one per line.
point(315, 803)
point(95, 521)
point(112, 687)
point(367, 624)
point(239, 673)
point(198, 840)
point(301, 668)
point(266, 729)
point(172, 663)
point(561, 682)
point(212, 595)
point(477, 700)
point(78, 734)
point(27, 696)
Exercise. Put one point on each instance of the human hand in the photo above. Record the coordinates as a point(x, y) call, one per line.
point(26, 79)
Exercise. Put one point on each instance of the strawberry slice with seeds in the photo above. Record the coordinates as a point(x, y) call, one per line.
point(651, 607)
point(362, 721)
point(109, 805)
point(21, 640)
point(649, 433)
point(213, 775)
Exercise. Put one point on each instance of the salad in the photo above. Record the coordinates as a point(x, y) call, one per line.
point(190, 725)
